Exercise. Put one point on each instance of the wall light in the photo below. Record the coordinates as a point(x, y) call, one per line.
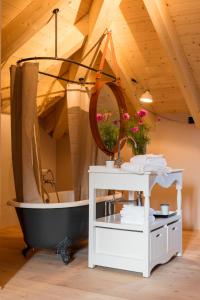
point(146, 97)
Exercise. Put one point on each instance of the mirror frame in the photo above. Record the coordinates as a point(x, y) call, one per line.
point(117, 91)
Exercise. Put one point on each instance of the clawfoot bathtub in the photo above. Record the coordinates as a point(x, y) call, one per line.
point(59, 226)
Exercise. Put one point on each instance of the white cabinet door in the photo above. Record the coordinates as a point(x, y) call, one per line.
point(174, 238)
point(158, 246)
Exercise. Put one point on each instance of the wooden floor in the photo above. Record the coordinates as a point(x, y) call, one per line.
point(44, 276)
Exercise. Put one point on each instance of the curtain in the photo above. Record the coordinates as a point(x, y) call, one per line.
point(84, 151)
point(23, 120)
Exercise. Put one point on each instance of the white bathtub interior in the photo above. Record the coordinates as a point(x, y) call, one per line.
point(64, 196)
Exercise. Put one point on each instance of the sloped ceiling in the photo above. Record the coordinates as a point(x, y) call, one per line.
point(138, 42)
point(185, 15)
point(140, 51)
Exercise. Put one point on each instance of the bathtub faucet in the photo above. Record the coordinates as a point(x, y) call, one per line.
point(119, 161)
point(48, 178)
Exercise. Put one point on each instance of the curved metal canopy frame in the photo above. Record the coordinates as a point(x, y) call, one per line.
point(81, 80)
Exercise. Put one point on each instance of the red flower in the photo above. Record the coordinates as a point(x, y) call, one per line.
point(99, 117)
point(135, 129)
point(126, 116)
point(142, 113)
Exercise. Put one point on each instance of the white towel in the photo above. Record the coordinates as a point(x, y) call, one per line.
point(139, 210)
point(149, 158)
point(138, 221)
point(141, 168)
point(149, 161)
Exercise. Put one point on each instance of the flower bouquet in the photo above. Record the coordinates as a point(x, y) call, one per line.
point(108, 129)
point(138, 130)
point(134, 127)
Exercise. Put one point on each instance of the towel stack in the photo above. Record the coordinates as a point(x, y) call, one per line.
point(131, 214)
point(147, 163)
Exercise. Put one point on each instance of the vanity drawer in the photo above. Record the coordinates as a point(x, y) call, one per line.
point(174, 237)
point(121, 243)
point(158, 245)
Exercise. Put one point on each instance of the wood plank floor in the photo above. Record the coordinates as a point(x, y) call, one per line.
point(44, 276)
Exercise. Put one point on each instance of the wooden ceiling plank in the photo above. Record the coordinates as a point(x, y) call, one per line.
point(73, 42)
point(100, 18)
point(25, 25)
point(125, 74)
point(164, 27)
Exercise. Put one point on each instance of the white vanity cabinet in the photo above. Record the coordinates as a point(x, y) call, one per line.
point(132, 247)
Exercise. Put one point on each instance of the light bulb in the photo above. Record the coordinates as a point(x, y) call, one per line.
point(146, 97)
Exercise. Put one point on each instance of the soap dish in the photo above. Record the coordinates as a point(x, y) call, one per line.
point(158, 214)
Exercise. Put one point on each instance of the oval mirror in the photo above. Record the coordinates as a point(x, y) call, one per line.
point(107, 106)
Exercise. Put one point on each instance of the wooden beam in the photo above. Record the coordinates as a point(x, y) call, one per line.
point(73, 41)
point(100, 19)
point(25, 25)
point(54, 118)
point(168, 36)
point(76, 35)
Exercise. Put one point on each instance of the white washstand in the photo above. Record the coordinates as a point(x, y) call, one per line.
point(130, 246)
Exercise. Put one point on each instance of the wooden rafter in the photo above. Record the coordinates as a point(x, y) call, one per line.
point(72, 42)
point(54, 118)
point(76, 35)
point(100, 18)
point(165, 29)
point(25, 25)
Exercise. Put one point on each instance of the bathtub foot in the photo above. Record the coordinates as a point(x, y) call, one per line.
point(64, 250)
point(25, 251)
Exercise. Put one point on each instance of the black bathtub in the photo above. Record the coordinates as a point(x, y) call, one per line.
point(60, 226)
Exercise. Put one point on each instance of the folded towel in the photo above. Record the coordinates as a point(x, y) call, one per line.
point(138, 221)
point(149, 159)
point(141, 168)
point(145, 157)
point(135, 211)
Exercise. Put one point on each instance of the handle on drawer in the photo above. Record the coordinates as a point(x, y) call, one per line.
point(158, 235)
point(174, 228)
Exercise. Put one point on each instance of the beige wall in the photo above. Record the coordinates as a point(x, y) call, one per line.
point(180, 143)
point(7, 214)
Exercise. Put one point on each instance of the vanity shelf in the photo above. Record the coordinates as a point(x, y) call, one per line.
point(114, 221)
point(133, 247)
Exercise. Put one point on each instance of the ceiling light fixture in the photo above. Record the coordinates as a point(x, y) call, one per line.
point(146, 97)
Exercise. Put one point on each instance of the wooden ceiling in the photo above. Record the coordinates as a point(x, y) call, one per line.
point(157, 42)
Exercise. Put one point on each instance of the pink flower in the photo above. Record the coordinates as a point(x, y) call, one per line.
point(126, 116)
point(135, 129)
point(99, 117)
point(142, 113)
